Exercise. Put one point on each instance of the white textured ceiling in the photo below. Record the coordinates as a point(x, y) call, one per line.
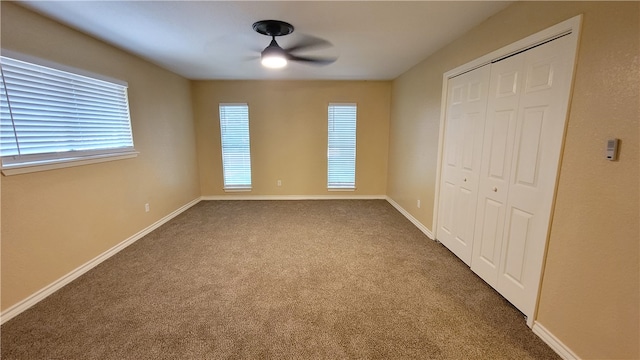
point(373, 40)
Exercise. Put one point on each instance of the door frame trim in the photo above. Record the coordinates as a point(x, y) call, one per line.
point(571, 28)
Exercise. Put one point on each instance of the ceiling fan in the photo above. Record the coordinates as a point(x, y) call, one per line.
point(274, 56)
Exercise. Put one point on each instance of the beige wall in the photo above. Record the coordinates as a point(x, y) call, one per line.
point(55, 221)
point(288, 129)
point(590, 291)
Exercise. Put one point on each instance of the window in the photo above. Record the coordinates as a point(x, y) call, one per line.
point(236, 152)
point(52, 116)
point(341, 153)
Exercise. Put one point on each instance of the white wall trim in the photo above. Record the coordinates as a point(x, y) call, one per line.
point(553, 342)
point(295, 197)
point(41, 294)
point(410, 217)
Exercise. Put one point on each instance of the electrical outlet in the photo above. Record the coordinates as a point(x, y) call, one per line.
point(279, 182)
point(146, 207)
point(418, 203)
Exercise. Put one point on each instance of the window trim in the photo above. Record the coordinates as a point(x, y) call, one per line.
point(235, 188)
point(54, 65)
point(355, 145)
point(44, 162)
point(36, 166)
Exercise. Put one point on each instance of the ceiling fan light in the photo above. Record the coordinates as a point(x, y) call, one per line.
point(274, 61)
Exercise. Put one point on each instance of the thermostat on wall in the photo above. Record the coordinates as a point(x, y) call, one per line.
point(612, 149)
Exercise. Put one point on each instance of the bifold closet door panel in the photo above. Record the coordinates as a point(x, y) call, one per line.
point(464, 124)
point(526, 116)
point(499, 133)
point(539, 135)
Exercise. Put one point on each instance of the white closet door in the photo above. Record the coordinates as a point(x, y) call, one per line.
point(538, 145)
point(466, 111)
point(499, 131)
point(526, 188)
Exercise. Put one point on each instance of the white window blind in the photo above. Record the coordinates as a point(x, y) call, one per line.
point(341, 154)
point(48, 115)
point(236, 149)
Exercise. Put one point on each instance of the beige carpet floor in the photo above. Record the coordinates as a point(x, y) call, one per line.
point(348, 279)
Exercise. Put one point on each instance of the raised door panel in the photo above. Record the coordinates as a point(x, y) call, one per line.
point(498, 144)
point(446, 209)
point(518, 235)
point(486, 248)
point(470, 142)
point(453, 144)
point(465, 216)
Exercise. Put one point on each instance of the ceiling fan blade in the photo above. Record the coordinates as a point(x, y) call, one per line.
point(309, 42)
point(251, 58)
point(311, 60)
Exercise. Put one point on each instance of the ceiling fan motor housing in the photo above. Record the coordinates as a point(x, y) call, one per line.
point(273, 27)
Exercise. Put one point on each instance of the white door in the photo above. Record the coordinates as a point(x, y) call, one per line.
point(523, 137)
point(499, 131)
point(466, 111)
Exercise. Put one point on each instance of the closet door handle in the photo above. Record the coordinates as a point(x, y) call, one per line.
point(465, 180)
point(495, 189)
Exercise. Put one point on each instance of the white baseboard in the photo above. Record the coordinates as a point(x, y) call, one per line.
point(554, 342)
point(294, 197)
point(41, 294)
point(410, 217)
point(38, 296)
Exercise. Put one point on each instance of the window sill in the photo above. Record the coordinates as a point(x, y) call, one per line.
point(341, 189)
point(237, 189)
point(25, 168)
